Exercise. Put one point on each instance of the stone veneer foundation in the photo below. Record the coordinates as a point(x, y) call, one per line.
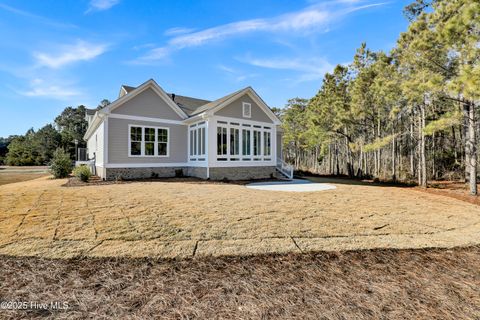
point(216, 173)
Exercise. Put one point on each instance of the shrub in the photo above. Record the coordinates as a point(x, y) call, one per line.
point(61, 164)
point(82, 172)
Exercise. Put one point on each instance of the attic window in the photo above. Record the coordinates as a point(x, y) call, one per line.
point(247, 110)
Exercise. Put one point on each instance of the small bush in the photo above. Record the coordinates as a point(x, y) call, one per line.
point(61, 164)
point(82, 172)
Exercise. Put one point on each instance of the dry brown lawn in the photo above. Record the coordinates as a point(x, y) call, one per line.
point(19, 174)
point(194, 218)
point(370, 284)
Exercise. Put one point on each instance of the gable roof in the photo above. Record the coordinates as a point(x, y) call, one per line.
point(144, 86)
point(215, 103)
point(219, 104)
point(188, 104)
point(128, 89)
point(185, 107)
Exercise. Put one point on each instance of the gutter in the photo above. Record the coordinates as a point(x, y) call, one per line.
point(97, 120)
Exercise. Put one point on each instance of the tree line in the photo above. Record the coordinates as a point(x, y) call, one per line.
point(410, 114)
point(38, 147)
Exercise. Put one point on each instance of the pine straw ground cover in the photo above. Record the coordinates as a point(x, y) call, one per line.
point(370, 284)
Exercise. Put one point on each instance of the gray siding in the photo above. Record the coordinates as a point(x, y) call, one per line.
point(148, 104)
point(118, 142)
point(234, 110)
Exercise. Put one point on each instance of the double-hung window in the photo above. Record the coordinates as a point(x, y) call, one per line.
point(148, 141)
point(162, 142)
point(135, 141)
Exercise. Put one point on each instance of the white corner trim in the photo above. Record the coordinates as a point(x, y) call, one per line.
point(105, 141)
point(148, 119)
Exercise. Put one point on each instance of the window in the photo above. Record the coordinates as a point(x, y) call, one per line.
point(266, 143)
point(234, 141)
point(148, 141)
point(135, 141)
point(221, 141)
point(162, 142)
point(245, 142)
point(197, 142)
point(257, 143)
point(247, 110)
point(202, 141)
point(192, 142)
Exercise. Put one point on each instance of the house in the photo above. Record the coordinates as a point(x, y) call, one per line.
point(147, 133)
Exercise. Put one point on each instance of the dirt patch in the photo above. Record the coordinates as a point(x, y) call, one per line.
point(371, 284)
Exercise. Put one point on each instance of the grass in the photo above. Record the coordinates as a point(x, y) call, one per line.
point(195, 218)
point(368, 284)
point(19, 174)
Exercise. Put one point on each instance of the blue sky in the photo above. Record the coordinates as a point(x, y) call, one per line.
point(55, 54)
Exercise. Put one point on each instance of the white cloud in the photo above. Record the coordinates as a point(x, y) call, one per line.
point(237, 75)
point(36, 17)
point(50, 89)
point(68, 54)
point(309, 69)
point(177, 31)
point(101, 5)
point(311, 19)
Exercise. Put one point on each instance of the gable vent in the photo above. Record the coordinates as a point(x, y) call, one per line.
point(247, 110)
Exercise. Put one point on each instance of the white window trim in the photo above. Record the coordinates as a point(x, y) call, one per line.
point(196, 129)
point(261, 157)
point(142, 155)
point(249, 105)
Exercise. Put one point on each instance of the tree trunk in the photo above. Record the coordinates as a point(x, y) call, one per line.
point(422, 150)
point(471, 149)
point(394, 158)
point(412, 150)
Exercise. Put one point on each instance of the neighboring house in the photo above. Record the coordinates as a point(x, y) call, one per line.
point(149, 133)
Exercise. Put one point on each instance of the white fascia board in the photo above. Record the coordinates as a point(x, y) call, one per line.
point(255, 97)
point(97, 120)
point(147, 119)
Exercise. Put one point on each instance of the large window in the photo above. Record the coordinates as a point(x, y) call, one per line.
point(148, 141)
point(257, 143)
point(197, 141)
point(246, 142)
point(234, 141)
point(221, 141)
point(267, 143)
